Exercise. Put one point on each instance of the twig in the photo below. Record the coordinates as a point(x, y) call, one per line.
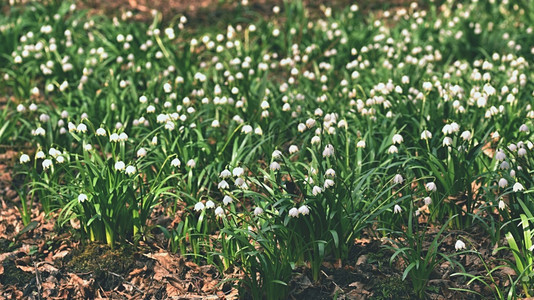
point(37, 281)
point(126, 281)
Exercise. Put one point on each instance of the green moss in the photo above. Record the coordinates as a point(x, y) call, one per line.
point(14, 276)
point(392, 288)
point(102, 261)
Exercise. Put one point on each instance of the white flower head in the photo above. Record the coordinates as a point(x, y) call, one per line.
point(101, 131)
point(425, 135)
point(223, 185)
point(47, 163)
point(82, 198)
point(119, 166)
point(141, 152)
point(518, 187)
point(393, 149)
point(294, 212)
point(274, 166)
point(225, 174)
point(191, 163)
point(316, 190)
point(397, 139)
point(397, 209)
point(277, 154)
point(219, 211)
point(328, 150)
point(460, 245)
point(199, 206)
point(328, 183)
point(430, 187)
point(210, 204)
point(258, 211)
point(397, 179)
point(176, 163)
point(130, 170)
point(227, 200)
point(24, 158)
point(304, 210)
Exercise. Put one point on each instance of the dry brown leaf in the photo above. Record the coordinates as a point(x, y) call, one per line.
point(60, 254)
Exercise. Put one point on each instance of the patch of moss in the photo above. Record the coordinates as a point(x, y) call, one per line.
point(103, 262)
point(392, 288)
point(14, 276)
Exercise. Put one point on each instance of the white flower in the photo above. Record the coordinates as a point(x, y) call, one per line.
point(460, 245)
point(40, 155)
point(39, 131)
point(219, 211)
point(330, 172)
point(518, 187)
point(360, 144)
point(191, 163)
point(425, 135)
point(304, 210)
point(176, 162)
point(24, 158)
point(141, 152)
point(427, 200)
point(114, 137)
point(504, 165)
point(210, 204)
point(301, 127)
point(502, 205)
point(315, 140)
point(503, 182)
point(316, 190)
point(328, 150)
point(227, 200)
point(276, 154)
point(238, 171)
point(101, 131)
point(130, 170)
point(246, 129)
point(328, 183)
point(521, 152)
point(274, 166)
point(500, 155)
point(310, 123)
point(293, 149)
point(398, 179)
point(393, 149)
point(466, 135)
point(81, 128)
point(215, 124)
point(223, 185)
point(123, 137)
point(82, 198)
point(427, 86)
point(119, 166)
point(430, 187)
point(447, 141)
point(258, 211)
point(225, 174)
point(397, 209)
point(397, 139)
point(199, 206)
point(523, 128)
point(60, 159)
point(47, 163)
point(294, 212)
point(258, 131)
